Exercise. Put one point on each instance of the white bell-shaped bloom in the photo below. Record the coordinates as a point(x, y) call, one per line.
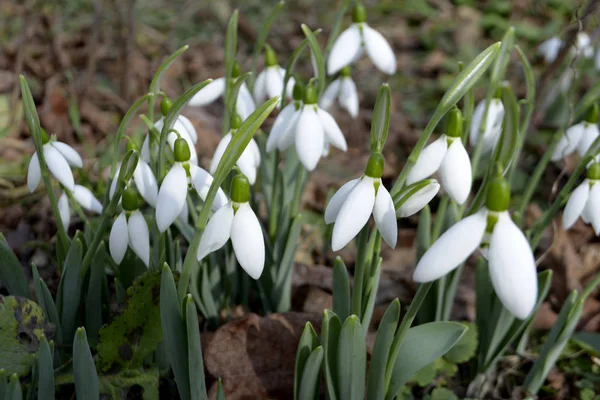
point(583, 45)
point(173, 191)
point(414, 197)
point(282, 132)
point(352, 205)
point(236, 221)
point(344, 90)
point(549, 49)
point(351, 43)
point(493, 125)
point(578, 137)
point(144, 180)
point(59, 157)
point(511, 261)
point(186, 130)
point(130, 229)
point(84, 197)
point(584, 201)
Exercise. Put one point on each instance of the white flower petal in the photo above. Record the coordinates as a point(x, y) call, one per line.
point(384, 214)
point(576, 204)
point(139, 237)
point(171, 197)
point(332, 131)
point(208, 93)
point(113, 183)
point(64, 210)
point(86, 199)
point(187, 125)
point(145, 150)
point(549, 49)
point(593, 207)
point(456, 173)
point(34, 173)
point(330, 94)
point(309, 138)
point(476, 123)
point(289, 89)
point(379, 50)
point(493, 125)
point(201, 181)
point(273, 82)
point(254, 152)
point(288, 136)
point(248, 241)
point(512, 268)
point(349, 96)
point(337, 200)
point(245, 103)
point(247, 166)
point(590, 134)
point(69, 153)
point(279, 126)
point(260, 87)
point(344, 50)
point(354, 213)
point(418, 200)
point(217, 231)
point(119, 238)
point(429, 160)
point(452, 248)
point(221, 147)
point(145, 182)
point(569, 142)
point(58, 166)
point(184, 215)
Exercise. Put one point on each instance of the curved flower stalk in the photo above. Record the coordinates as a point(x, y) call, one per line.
point(352, 205)
point(248, 162)
point(282, 132)
point(235, 220)
point(448, 156)
point(414, 197)
point(511, 261)
point(578, 137)
point(584, 202)
point(130, 229)
point(269, 83)
point(60, 157)
point(550, 48)
point(143, 177)
point(84, 197)
point(171, 202)
point(349, 46)
point(344, 90)
point(244, 104)
point(493, 124)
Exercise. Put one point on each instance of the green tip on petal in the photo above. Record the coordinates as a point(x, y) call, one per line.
point(131, 145)
point(592, 114)
point(359, 13)
point(346, 71)
point(455, 123)
point(270, 56)
point(129, 199)
point(236, 121)
point(593, 171)
point(45, 136)
point(498, 195)
point(237, 69)
point(165, 105)
point(181, 150)
point(298, 92)
point(310, 94)
point(240, 189)
point(375, 165)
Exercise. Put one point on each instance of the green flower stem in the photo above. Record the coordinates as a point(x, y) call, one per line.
point(299, 189)
point(76, 206)
point(359, 271)
point(439, 218)
point(274, 209)
point(407, 321)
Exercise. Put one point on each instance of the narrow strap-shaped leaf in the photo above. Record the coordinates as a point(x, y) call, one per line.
point(309, 341)
point(262, 37)
point(12, 273)
point(282, 291)
point(160, 72)
point(233, 95)
point(220, 392)
point(69, 290)
point(292, 64)
point(93, 302)
point(13, 391)
point(196, 365)
point(381, 350)
point(46, 388)
point(3, 383)
point(318, 54)
point(330, 332)
point(44, 299)
point(309, 386)
point(351, 360)
point(229, 61)
point(342, 302)
point(380, 122)
point(370, 295)
point(84, 370)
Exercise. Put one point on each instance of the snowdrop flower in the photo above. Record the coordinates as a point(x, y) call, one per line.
point(269, 83)
point(585, 201)
point(448, 156)
point(172, 195)
point(249, 160)
point(144, 180)
point(348, 47)
point(414, 197)
point(282, 132)
point(549, 49)
point(578, 137)
point(59, 157)
point(344, 89)
point(130, 229)
point(236, 221)
point(84, 197)
point(493, 124)
point(313, 131)
point(583, 45)
point(511, 261)
point(244, 104)
point(350, 207)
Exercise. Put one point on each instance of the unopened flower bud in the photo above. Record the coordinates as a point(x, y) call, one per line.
point(181, 150)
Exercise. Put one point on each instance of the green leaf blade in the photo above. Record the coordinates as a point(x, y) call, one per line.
point(84, 370)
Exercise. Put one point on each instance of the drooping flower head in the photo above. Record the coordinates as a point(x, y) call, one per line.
point(236, 221)
point(283, 130)
point(143, 177)
point(511, 262)
point(344, 90)
point(173, 192)
point(59, 157)
point(349, 46)
point(248, 162)
point(352, 205)
point(578, 137)
point(130, 229)
point(490, 133)
point(84, 197)
point(269, 83)
point(414, 197)
point(584, 202)
point(448, 156)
